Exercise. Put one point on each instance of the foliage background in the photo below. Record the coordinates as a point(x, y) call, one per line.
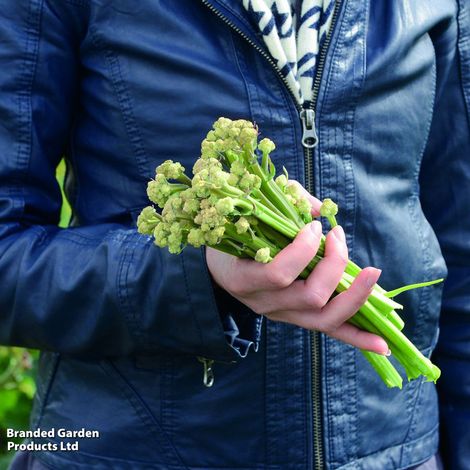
point(18, 367)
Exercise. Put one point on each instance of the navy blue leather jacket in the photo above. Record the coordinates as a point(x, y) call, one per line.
point(118, 86)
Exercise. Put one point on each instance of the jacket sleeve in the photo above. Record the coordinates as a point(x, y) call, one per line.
point(96, 290)
point(445, 190)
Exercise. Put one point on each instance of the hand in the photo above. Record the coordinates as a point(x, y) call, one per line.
point(273, 289)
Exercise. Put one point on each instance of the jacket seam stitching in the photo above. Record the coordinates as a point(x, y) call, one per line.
point(419, 160)
point(412, 423)
point(49, 380)
point(460, 45)
point(24, 98)
point(123, 293)
point(124, 101)
point(191, 303)
point(381, 451)
point(142, 411)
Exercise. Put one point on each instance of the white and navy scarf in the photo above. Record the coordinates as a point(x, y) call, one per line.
point(293, 32)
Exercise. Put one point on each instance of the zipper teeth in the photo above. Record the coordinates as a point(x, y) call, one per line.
point(318, 457)
point(322, 57)
point(257, 48)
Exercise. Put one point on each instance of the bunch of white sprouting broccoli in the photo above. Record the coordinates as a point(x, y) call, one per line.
point(234, 203)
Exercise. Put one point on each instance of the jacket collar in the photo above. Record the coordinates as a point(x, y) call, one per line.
point(234, 14)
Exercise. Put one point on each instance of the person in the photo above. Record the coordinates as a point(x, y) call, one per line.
point(128, 332)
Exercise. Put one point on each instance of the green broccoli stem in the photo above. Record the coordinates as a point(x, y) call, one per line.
point(384, 369)
point(184, 179)
point(414, 364)
point(403, 349)
point(272, 192)
point(251, 241)
point(258, 194)
point(378, 300)
point(263, 213)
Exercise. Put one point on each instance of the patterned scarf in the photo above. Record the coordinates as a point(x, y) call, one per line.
point(293, 32)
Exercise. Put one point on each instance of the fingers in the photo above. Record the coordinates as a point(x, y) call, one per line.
point(249, 276)
point(286, 266)
point(361, 339)
point(326, 276)
point(346, 333)
point(331, 319)
point(345, 305)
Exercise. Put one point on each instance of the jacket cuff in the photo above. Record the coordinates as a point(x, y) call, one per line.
point(242, 327)
point(171, 306)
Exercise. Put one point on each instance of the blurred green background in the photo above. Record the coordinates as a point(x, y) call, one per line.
point(17, 367)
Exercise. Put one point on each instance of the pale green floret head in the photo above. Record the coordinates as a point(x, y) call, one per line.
point(234, 132)
point(211, 136)
point(191, 206)
point(209, 218)
point(175, 229)
point(249, 182)
point(282, 181)
point(263, 255)
point(218, 178)
point(225, 206)
point(175, 238)
point(160, 234)
point(214, 236)
point(188, 194)
point(242, 225)
point(222, 123)
point(206, 164)
point(241, 123)
point(200, 186)
point(304, 208)
point(172, 209)
point(328, 208)
point(147, 220)
point(175, 202)
point(196, 237)
point(159, 190)
point(248, 137)
point(220, 145)
point(237, 168)
point(209, 149)
point(171, 170)
point(291, 199)
point(266, 146)
point(303, 205)
point(293, 190)
point(228, 144)
point(222, 127)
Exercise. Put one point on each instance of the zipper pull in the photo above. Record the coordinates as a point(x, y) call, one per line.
point(208, 378)
point(309, 133)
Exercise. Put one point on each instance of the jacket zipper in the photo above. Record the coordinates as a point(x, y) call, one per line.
point(315, 340)
point(309, 142)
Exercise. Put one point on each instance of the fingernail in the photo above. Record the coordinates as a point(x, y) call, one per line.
point(315, 227)
point(338, 232)
point(388, 353)
point(372, 277)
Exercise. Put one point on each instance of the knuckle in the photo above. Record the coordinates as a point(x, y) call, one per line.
point(237, 287)
point(315, 300)
point(329, 326)
point(340, 257)
point(357, 298)
point(278, 278)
